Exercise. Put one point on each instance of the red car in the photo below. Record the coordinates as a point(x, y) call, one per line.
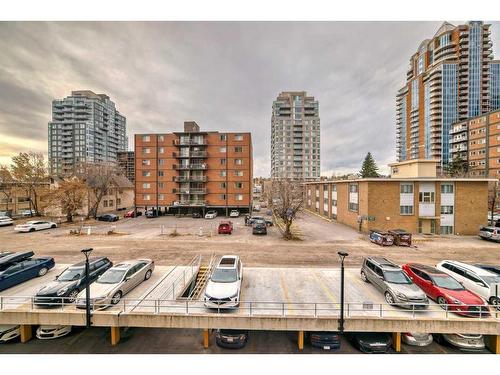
point(445, 290)
point(225, 227)
point(132, 213)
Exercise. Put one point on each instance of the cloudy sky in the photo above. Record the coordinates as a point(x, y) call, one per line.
point(223, 75)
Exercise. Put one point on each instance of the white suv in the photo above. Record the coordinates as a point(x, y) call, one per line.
point(224, 286)
point(477, 280)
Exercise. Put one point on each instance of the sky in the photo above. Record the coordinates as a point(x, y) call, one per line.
point(223, 75)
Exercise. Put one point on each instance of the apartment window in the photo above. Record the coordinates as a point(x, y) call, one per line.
point(238, 161)
point(161, 150)
point(160, 173)
point(222, 197)
point(238, 173)
point(161, 162)
point(161, 138)
point(426, 197)
point(222, 150)
point(146, 197)
point(406, 188)
point(334, 187)
point(353, 207)
point(446, 188)
point(146, 150)
point(353, 188)
point(238, 149)
point(146, 185)
point(238, 185)
point(146, 162)
point(146, 173)
point(161, 197)
point(223, 185)
point(238, 137)
point(334, 203)
point(223, 161)
point(105, 203)
point(446, 229)
point(110, 203)
point(118, 201)
point(146, 138)
point(223, 137)
point(446, 210)
point(223, 173)
point(239, 197)
point(406, 210)
point(161, 185)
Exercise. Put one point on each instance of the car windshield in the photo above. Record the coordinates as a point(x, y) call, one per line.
point(447, 282)
point(491, 279)
point(396, 277)
point(112, 276)
point(224, 275)
point(71, 274)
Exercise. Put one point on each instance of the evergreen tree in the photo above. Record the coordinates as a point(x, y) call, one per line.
point(458, 167)
point(369, 167)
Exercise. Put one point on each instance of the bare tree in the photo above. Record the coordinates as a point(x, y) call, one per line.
point(69, 196)
point(30, 171)
point(99, 178)
point(288, 201)
point(492, 200)
point(6, 184)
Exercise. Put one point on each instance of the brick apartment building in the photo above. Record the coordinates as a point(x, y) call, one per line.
point(184, 172)
point(413, 198)
point(126, 161)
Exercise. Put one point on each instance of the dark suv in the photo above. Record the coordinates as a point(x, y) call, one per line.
point(70, 282)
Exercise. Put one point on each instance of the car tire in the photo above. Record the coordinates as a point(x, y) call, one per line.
point(43, 271)
point(148, 274)
point(116, 298)
point(442, 302)
point(389, 298)
point(363, 277)
point(495, 301)
point(32, 229)
point(72, 295)
point(53, 226)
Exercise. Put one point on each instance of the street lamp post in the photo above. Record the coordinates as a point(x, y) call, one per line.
point(87, 252)
point(342, 255)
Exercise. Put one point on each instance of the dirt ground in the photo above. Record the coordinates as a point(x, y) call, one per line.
point(184, 238)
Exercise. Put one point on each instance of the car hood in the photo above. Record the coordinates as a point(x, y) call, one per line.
point(98, 290)
point(464, 296)
point(221, 290)
point(409, 290)
point(54, 286)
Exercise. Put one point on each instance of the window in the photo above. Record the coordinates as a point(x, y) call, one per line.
point(238, 185)
point(161, 150)
point(446, 210)
point(146, 138)
point(146, 150)
point(161, 162)
point(146, 197)
point(223, 173)
point(222, 197)
point(238, 173)
point(161, 196)
point(223, 161)
point(223, 137)
point(406, 210)
point(406, 188)
point(446, 188)
point(161, 185)
point(353, 207)
point(160, 173)
point(146, 173)
point(161, 138)
point(239, 197)
point(146, 162)
point(111, 203)
point(238, 137)
point(353, 188)
point(238, 161)
point(222, 150)
point(334, 203)
point(238, 149)
point(334, 187)
point(105, 203)
point(426, 197)
point(223, 185)
point(146, 185)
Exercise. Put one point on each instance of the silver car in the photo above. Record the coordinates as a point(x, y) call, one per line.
point(397, 287)
point(117, 281)
point(462, 341)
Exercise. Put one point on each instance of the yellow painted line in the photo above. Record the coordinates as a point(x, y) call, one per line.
point(285, 290)
point(324, 287)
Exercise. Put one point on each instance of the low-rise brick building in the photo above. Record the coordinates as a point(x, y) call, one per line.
point(413, 198)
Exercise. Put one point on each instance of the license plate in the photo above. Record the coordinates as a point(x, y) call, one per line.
point(326, 347)
point(229, 339)
point(471, 342)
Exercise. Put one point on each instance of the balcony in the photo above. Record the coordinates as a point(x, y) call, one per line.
point(182, 167)
point(190, 178)
point(190, 202)
point(193, 154)
point(190, 142)
point(190, 191)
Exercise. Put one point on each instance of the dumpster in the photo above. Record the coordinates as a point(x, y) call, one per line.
point(381, 238)
point(401, 237)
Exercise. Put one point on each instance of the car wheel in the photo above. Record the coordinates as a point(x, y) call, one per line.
point(442, 302)
point(72, 295)
point(148, 275)
point(116, 298)
point(42, 271)
point(53, 226)
point(389, 298)
point(495, 301)
point(363, 277)
point(32, 229)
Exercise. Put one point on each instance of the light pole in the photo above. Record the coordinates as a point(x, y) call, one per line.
point(87, 252)
point(342, 255)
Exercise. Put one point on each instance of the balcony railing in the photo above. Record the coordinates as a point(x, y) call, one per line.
point(190, 178)
point(193, 154)
point(184, 167)
point(190, 142)
point(190, 191)
point(195, 202)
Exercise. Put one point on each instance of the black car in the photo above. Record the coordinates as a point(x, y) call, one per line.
point(371, 342)
point(196, 215)
point(252, 219)
point(108, 217)
point(324, 340)
point(259, 227)
point(70, 282)
point(152, 213)
point(16, 268)
point(231, 338)
point(490, 268)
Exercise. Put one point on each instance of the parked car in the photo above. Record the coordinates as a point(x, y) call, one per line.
point(381, 238)
point(132, 213)
point(390, 279)
point(196, 215)
point(5, 220)
point(225, 227)
point(116, 282)
point(259, 227)
point(26, 213)
point(33, 225)
point(466, 342)
point(489, 267)
point(269, 212)
point(252, 219)
point(70, 282)
point(256, 208)
point(234, 213)
point(152, 212)
point(482, 282)
point(47, 332)
point(224, 286)
point(371, 342)
point(212, 214)
point(401, 237)
point(16, 268)
point(6, 213)
point(417, 338)
point(490, 233)
point(231, 338)
point(446, 290)
point(9, 332)
point(324, 340)
point(108, 217)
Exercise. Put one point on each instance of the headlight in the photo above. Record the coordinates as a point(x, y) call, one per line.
point(455, 301)
point(401, 295)
point(234, 295)
point(62, 291)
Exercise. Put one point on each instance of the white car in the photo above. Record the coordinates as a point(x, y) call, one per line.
point(234, 213)
point(34, 225)
point(9, 332)
point(5, 220)
point(480, 281)
point(224, 286)
point(212, 214)
point(52, 332)
point(27, 213)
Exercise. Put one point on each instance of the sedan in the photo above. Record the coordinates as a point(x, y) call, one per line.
point(132, 213)
point(259, 227)
point(231, 338)
point(225, 227)
point(113, 284)
point(466, 342)
point(375, 342)
point(446, 291)
point(108, 217)
point(5, 220)
point(417, 339)
point(52, 332)
point(17, 268)
point(324, 340)
point(234, 213)
point(66, 286)
point(212, 214)
point(9, 332)
point(34, 225)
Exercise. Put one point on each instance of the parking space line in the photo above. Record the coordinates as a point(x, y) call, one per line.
point(285, 290)
point(324, 286)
